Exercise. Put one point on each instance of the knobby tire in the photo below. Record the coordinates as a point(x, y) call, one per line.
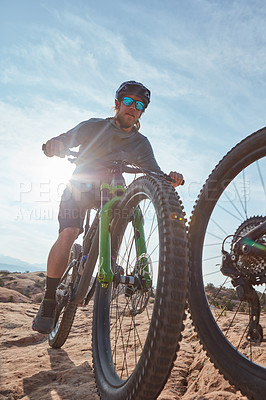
point(155, 315)
point(65, 319)
point(246, 375)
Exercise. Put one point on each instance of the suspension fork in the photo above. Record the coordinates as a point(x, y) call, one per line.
point(138, 224)
point(105, 274)
point(140, 243)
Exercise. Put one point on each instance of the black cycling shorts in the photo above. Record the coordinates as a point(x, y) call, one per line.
point(76, 199)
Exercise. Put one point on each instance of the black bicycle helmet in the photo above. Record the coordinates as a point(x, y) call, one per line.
point(135, 88)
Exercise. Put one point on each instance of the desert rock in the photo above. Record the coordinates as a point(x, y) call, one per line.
point(31, 370)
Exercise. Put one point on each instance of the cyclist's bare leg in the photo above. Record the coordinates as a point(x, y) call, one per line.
point(59, 253)
point(56, 265)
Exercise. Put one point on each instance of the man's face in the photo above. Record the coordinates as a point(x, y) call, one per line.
point(128, 115)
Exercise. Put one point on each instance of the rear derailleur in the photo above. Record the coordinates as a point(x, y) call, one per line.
point(245, 292)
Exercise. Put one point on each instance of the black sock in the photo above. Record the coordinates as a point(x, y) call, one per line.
point(51, 285)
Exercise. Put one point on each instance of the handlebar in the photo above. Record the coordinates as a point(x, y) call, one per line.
point(136, 170)
point(121, 166)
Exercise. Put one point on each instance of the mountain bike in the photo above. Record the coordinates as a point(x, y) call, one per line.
point(133, 261)
point(227, 235)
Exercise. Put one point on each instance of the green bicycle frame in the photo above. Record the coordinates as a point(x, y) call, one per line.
point(105, 273)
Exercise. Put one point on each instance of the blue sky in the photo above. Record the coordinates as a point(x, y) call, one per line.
point(61, 62)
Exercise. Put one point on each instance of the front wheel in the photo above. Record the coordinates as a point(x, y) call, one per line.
point(138, 319)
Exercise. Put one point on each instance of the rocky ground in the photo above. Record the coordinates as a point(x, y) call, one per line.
point(31, 370)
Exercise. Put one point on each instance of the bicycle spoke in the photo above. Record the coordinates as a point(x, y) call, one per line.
point(261, 178)
point(233, 204)
point(230, 213)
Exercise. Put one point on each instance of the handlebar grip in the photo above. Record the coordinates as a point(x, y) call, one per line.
point(44, 150)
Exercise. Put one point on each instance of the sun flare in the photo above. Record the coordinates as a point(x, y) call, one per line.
point(57, 171)
point(60, 169)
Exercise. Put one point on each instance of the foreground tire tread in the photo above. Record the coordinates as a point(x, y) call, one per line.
point(162, 342)
point(247, 377)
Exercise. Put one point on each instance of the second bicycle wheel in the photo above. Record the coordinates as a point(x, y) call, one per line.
point(138, 319)
point(65, 311)
point(228, 301)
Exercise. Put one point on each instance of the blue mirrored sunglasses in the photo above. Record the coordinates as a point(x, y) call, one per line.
point(127, 101)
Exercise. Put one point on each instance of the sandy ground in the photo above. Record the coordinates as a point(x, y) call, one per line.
point(30, 369)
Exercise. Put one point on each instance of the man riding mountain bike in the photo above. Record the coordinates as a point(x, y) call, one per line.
point(109, 139)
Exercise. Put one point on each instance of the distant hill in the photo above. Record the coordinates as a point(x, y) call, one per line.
point(16, 287)
point(12, 264)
